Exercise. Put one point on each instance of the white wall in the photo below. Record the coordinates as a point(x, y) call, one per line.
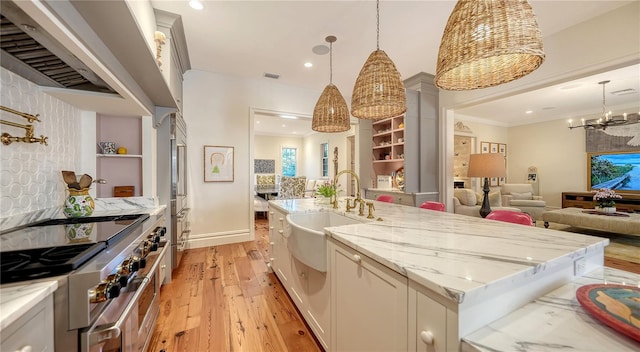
point(313, 152)
point(270, 147)
point(558, 152)
point(30, 173)
point(217, 112)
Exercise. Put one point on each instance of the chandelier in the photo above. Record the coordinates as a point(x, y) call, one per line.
point(606, 119)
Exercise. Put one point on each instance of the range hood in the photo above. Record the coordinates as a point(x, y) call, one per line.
point(30, 52)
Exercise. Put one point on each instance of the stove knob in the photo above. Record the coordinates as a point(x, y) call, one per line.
point(113, 290)
point(163, 231)
point(156, 239)
point(135, 264)
point(123, 280)
point(98, 294)
point(143, 262)
point(154, 247)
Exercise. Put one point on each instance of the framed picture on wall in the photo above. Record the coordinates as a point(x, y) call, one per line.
point(493, 181)
point(218, 163)
point(502, 149)
point(484, 147)
point(493, 147)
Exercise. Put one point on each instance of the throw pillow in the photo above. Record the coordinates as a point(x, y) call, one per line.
point(495, 199)
point(522, 196)
point(465, 196)
point(266, 179)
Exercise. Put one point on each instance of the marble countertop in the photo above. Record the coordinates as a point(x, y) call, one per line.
point(556, 322)
point(16, 300)
point(104, 207)
point(460, 257)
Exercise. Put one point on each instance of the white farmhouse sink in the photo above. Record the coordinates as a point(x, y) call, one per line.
point(307, 241)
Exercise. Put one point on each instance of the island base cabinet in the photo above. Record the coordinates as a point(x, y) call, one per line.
point(369, 304)
point(434, 325)
point(33, 331)
point(279, 254)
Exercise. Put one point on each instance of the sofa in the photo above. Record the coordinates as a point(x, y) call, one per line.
point(521, 195)
point(467, 202)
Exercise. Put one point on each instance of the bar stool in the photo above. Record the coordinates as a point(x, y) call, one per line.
point(385, 198)
point(433, 206)
point(511, 216)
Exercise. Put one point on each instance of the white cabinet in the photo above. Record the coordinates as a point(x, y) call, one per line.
point(33, 331)
point(279, 256)
point(308, 288)
point(369, 303)
point(433, 320)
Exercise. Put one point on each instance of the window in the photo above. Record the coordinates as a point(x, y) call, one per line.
point(324, 157)
point(289, 162)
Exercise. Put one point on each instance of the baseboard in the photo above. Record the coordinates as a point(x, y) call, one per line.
point(219, 238)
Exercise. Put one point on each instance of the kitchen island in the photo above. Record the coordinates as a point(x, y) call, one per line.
point(456, 274)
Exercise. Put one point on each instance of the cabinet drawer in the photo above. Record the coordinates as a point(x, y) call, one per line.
point(34, 329)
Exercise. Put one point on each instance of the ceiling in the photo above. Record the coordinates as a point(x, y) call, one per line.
point(251, 38)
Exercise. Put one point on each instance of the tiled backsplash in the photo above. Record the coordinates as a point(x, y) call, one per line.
point(30, 177)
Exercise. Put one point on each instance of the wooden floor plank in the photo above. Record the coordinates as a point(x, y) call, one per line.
point(224, 298)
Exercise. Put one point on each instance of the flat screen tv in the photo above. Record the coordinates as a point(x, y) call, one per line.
point(619, 171)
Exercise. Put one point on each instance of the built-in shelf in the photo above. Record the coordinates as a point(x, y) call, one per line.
point(118, 156)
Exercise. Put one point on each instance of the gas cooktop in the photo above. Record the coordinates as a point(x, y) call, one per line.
point(57, 246)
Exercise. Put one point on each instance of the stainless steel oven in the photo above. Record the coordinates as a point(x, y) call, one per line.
point(128, 322)
point(108, 271)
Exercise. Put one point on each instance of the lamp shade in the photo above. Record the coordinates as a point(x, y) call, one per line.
point(378, 92)
point(487, 165)
point(331, 113)
point(487, 43)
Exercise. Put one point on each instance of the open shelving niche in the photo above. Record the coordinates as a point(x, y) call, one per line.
point(388, 145)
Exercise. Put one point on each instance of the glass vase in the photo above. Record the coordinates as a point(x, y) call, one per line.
point(79, 203)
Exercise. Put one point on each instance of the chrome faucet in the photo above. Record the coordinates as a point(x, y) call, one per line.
point(358, 195)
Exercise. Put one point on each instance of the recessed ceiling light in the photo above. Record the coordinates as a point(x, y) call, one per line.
point(196, 4)
point(257, 121)
point(529, 112)
point(308, 64)
point(283, 125)
point(289, 117)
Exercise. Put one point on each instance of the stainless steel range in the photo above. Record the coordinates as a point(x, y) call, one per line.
point(109, 272)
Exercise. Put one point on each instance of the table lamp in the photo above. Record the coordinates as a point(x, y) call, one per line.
point(486, 165)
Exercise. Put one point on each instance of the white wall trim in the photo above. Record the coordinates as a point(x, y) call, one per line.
point(220, 238)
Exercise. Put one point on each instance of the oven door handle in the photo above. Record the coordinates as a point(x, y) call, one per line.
point(114, 330)
point(98, 335)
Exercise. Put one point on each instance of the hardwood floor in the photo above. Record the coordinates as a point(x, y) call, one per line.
point(224, 298)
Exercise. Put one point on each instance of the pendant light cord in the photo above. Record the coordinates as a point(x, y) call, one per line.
point(604, 106)
point(330, 62)
point(377, 24)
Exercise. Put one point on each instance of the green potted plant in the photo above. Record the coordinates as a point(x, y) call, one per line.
point(325, 191)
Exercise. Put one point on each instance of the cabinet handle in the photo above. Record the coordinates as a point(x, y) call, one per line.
point(163, 266)
point(272, 259)
point(270, 213)
point(270, 227)
point(280, 231)
point(26, 348)
point(426, 337)
point(357, 258)
point(281, 219)
point(272, 243)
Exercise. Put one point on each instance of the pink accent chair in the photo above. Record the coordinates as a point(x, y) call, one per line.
point(385, 198)
point(511, 216)
point(433, 206)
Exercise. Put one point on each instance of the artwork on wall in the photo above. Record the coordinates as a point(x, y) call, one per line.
point(264, 166)
point(491, 147)
point(218, 164)
point(615, 138)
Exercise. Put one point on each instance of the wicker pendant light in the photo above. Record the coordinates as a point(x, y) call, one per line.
point(378, 92)
point(331, 113)
point(487, 43)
